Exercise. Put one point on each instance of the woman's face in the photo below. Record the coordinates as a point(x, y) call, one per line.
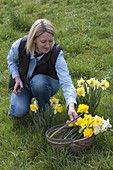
point(44, 42)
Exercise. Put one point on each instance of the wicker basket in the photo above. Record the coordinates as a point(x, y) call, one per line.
point(69, 144)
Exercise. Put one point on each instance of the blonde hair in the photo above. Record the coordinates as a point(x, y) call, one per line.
point(39, 27)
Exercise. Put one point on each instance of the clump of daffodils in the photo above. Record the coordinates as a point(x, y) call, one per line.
point(89, 92)
point(43, 118)
point(54, 102)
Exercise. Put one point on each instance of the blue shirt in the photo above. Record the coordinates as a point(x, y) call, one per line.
point(60, 66)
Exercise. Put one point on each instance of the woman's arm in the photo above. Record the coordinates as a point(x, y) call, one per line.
point(67, 85)
point(12, 60)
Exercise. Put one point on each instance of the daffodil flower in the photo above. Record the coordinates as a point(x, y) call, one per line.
point(54, 101)
point(97, 84)
point(33, 107)
point(58, 108)
point(80, 122)
point(88, 132)
point(81, 82)
point(81, 91)
point(105, 125)
point(72, 124)
point(83, 108)
point(91, 82)
point(97, 129)
point(104, 84)
point(97, 120)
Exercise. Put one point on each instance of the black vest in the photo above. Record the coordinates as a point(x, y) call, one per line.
point(45, 66)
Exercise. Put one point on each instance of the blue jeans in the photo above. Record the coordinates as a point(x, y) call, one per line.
point(41, 87)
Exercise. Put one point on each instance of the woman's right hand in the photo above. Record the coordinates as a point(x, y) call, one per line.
point(18, 85)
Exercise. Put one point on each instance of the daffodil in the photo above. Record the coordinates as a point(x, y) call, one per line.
point(89, 120)
point(33, 107)
point(88, 132)
point(83, 108)
point(54, 101)
point(81, 82)
point(97, 120)
point(104, 84)
point(81, 91)
point(97, 84)
point(85, 122)
point(91, 82)
point(105, 125)
point(58, 108)
point(97, 129)
point(72, 124)
point(80, 122)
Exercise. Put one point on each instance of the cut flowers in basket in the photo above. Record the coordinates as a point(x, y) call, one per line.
point(87, 123)
point(44, 118)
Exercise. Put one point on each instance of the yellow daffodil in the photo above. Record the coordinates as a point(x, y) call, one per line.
point(104, 84)
point(89, 120)
point(54, 101)
point(80, 122)
point(83, 108)
point(97, 120)
point(97, 84)
point(81, 82)
point(91, 82)
point(33, 107)
point(81, 91)
point(88, 132)
point(58, 108)
point(85, 122)
point(72, 124)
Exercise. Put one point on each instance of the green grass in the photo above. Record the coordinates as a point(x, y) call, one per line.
point(84, 28)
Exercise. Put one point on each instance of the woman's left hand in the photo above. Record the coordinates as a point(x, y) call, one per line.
point(72, 112)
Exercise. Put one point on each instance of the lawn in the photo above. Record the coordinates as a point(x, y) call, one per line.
point(84, 28)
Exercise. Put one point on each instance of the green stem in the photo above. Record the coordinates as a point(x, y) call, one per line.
point(78, 136)
point(65, 125)
point(72, 131)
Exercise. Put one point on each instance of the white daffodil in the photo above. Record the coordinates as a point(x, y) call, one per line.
point(105, 125)
point(96, 129)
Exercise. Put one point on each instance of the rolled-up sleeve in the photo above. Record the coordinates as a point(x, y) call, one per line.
point(65, 80)
point(12, 59)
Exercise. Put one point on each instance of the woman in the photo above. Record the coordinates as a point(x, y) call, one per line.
point(38, 68)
